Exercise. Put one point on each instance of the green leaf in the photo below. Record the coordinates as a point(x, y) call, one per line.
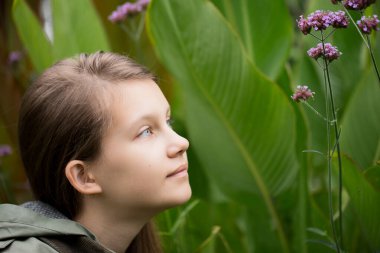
point(77, 28)
point(365, 201)
point(301, 210)
point(372, 175)
point(233, 112)
point(265, 28)
point(32, 35)
point(360, 136)
point(197, 223)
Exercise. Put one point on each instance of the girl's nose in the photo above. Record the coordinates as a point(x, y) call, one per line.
point(178, 145)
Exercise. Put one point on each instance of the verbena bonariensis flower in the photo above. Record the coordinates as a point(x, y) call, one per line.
point(304, 25)
point(338, 19)
point(302, 93)
point(5, 150)
point(14, 57)
point(367, 24)
point(330, 52)
point(358, 4)
point(128, 9)
point(321, 20)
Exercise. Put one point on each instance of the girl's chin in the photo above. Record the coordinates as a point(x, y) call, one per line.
point(182, 196)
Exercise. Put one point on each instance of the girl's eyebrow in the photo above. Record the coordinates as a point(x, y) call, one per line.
point(148, 116)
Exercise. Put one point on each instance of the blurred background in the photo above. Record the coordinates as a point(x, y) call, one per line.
point(257, 159)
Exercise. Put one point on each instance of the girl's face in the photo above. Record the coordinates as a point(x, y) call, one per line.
point(143, 165)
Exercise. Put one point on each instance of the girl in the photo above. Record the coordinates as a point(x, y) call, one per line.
point(101, 157)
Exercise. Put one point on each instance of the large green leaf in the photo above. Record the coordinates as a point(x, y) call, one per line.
point(265, 28)
point(360, 137)
point(365, 200)
point(241, 124)
point(77, 28)
point(228, 100)
point(32, 36)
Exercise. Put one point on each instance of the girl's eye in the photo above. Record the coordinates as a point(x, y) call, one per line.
point(146, 132)
point(170, 122)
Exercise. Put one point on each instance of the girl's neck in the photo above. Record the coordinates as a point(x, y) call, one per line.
point(111, 230)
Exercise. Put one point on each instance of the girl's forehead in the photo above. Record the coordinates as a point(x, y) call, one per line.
point(141, 92)
point(136, 98)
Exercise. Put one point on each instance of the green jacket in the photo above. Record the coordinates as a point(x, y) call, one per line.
point(29, 227)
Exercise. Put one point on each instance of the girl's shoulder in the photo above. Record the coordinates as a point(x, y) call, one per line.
point(37, 227)
point(30, 244)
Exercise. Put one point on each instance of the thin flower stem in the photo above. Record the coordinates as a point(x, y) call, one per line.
point(334, 148)
point(357, 28)
point(366, 41)
point(333, 112)
point(140, 26)
point(340, 209)
point(314, 110)
point(225, 243)
point(314, 151)
point(322, 67)
point(127, 31)
point(134, 30)
point(331, 211)
point(319, 39)
point(328, 35)
point(214, 232)
point(373, 58)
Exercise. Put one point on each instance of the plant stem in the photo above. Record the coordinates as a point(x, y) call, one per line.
point(373, 58)
point(331, 212)
point(315, 111)
point(356, 26)
point(339, 160)
point(335, 121)
point(367, 42)
point(214, 232)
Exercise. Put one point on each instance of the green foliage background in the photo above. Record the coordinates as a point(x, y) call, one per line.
point(228, 68)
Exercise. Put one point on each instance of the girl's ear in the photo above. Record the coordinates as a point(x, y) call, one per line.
point(81, 178)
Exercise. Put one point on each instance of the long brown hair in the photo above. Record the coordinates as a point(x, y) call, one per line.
point(63, 117)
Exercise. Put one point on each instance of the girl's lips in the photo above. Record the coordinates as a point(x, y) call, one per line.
point(179, 172)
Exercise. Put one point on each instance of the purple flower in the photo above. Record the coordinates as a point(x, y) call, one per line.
point(358, 4)
point(5, 150)
point(321, 20)
point(338, 19)
point(367, 24)
point(303, 25)
point(302, 93)
point(14, 57)
point(128, 9)
point(330, 52)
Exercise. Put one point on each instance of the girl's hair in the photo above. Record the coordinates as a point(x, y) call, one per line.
point(63, 117)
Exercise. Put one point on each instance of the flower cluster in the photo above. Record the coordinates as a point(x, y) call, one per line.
point(302, 93)
point(321, 20)
point(358, 4)
point(5, 150)
point(14, 57)
point(128, 9)
point(328, 51)
point(367, 24)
